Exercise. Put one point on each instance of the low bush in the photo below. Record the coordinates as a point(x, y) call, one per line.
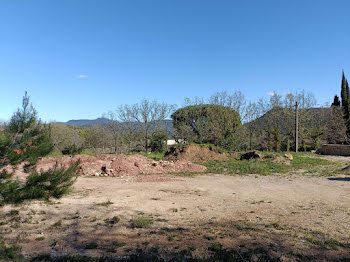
point(54, 182)
point(141, 222)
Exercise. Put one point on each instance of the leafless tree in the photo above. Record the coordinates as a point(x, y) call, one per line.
point(275, 100)
point(193, 101)
point(148, 117)
point(113, 127)
point(236, 101)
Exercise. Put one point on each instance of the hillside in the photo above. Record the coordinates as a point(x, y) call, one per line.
point(168, 124)
point(87, 122)
point(286, 118)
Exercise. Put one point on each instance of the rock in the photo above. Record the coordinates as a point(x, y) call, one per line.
point(251, 155)
point(288, 156)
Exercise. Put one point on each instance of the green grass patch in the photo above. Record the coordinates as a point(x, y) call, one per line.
point(266, 166)
point(141, 222)
point(154, 156)
point(10, 253)
point(88, 153)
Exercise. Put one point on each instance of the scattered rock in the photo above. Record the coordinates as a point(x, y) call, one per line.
point(251, 155)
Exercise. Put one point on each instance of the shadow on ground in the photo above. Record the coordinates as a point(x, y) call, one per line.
point(211, 241)
point(339, 178)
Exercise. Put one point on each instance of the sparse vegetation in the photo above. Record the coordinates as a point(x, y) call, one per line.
point(114, 220)
point(301, 161)
point(141, 222)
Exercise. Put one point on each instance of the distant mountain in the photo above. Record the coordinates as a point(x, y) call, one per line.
point(87, 122)
point(168, 124)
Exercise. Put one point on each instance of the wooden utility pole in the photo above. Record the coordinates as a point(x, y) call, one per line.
point(296, 127)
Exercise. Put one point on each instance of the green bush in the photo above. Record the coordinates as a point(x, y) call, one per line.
point(141, 222)
point(157, 143)
point(54, 182)
point(10, 253)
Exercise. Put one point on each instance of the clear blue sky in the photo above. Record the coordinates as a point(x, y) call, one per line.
point(78, 59)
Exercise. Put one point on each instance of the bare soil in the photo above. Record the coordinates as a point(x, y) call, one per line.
point(296, 217)
point(113, 165)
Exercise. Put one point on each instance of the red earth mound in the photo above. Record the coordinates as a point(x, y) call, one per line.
point(195, 153)
point(115, 165)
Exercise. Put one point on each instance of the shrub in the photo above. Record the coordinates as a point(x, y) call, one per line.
point(158, 142)
point(10, 253)
point(141, 222)
point(114, 220)
point(54, 182)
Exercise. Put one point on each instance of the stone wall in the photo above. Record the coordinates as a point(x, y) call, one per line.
point(336, 150)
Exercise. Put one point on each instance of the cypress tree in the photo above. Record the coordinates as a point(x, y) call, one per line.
point(347, 110)
point(336, 101)
point(343, 94)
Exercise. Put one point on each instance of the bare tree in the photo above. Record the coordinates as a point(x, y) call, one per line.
point(113, 127)
point(148, 117)
point(236, 101)
point(305, 100)
point(275, 100)
point(193, 101)
point(129, 130)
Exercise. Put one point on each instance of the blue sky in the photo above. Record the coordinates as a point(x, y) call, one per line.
point(78, 59)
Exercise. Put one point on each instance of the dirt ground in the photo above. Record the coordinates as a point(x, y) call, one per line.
point(292, 217)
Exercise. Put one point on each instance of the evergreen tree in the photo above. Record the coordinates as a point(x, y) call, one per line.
point(347, 109)
point(344, 96)
point(336, 101)
point(25, 137)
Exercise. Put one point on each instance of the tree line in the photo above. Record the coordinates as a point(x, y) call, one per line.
point(224, 119)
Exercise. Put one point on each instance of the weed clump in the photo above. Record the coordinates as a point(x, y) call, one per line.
point(114, 220)
point(141, 222)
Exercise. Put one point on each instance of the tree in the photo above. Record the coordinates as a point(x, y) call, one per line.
point(24, 118)
point(213, 124)
point(158, 142)
point(336, 101)
point(25, 137)
point(147, 116)
point(66, 139)
point(344, 93)
point(251, 113)
point(336, 128)
point(113, 127)
point(236, 101)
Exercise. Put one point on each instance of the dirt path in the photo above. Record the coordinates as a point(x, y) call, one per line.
point(288, 215)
